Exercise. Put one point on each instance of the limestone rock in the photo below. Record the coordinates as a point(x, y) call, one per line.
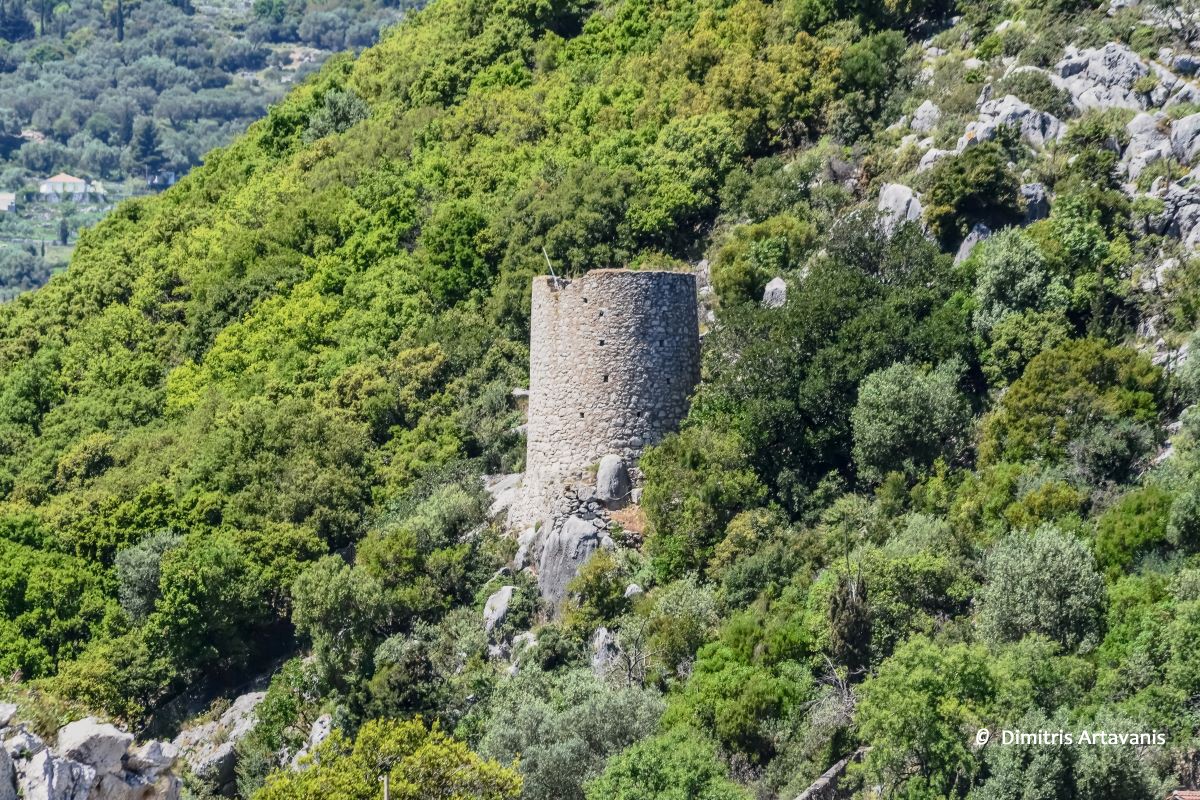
point(978, 233)
point(319, 731)
point(96, 744)
point(1038, 128)
point(931, 157)
point(8, 777)
point(24, 744)
point(48, 777)
point(1037, 202)
point(1147, 144)
point(570, 542)
point(612, 481)
point(7, 712)
point(926, 117)
point(152, 758)
point(1105, 78)
point(496, 607)
point(898, 204)
point(504, 491)
point(604, 650)
point(209, 750)
point(526, 554)
point(1185, 63)
point(775, 293)
point(1185, 138)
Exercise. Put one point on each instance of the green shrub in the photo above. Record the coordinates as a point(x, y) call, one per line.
point(906, 418)
point(975, 186)
point(1045, 583)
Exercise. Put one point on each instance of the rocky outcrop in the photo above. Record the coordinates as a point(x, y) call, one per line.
point(95, 743)
point(504, 491)
point(90, 760)
point(775, 293)
point(1180, 216)
point(1148, 143)
point(1185, 138)
point(1036, 200)
point(926, 117)
point(496, 607)
point(1037, 128)
point(1111, 77)
point(209, 748)
point(570, 543)
point(978, 233)
point(898, 204)
point(612, 482)
point(604, 651)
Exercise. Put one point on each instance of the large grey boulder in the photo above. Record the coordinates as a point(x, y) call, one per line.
point(496, 607)
point(527, 548)
point(49, 777)
point(1037, 201)
point(152, 759)
point(898, 204)
point(1037, 128)
point(604, 651)
point(978, 233)
point(7, 712)
point(612, 481)
point(931, 157)
point(926, 117)
point(570, 542)
point(504, 491)
point(775, 293)
point(24, 744)
point(1148, 143)
point(209, 749)
point(1185, 138)
point(97, 744)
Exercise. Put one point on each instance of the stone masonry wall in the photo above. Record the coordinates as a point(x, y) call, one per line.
point(613, 358)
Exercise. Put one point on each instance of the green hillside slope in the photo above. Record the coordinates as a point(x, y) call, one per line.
point(914, 501)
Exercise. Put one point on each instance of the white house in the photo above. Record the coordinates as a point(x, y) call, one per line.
point(67, 187)
point(8, 202)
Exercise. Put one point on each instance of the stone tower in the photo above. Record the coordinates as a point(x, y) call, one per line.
point(613, 358)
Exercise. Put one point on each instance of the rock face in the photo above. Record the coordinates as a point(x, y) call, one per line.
point(570, 543)
point(1185, 138)
point(504, 490)
point(496, 607)
point(898, 204)
point(1037, 201)
point(926, 117)
point(1038, 128)
point(209, 750)
point(978, 233)
point(613, 358)
point(775, 293)
point(90, 761)
point(100, 745)
point(612, 482)
point(1147, 144)
point(1105, 78)
point(48, 777)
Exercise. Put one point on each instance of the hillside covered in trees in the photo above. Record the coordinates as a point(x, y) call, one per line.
point(133, 93)
point(949, 484)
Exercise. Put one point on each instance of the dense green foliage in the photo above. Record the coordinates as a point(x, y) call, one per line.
point(918, 499)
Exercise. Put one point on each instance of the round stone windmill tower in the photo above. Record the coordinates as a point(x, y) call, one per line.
point(613, 358)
